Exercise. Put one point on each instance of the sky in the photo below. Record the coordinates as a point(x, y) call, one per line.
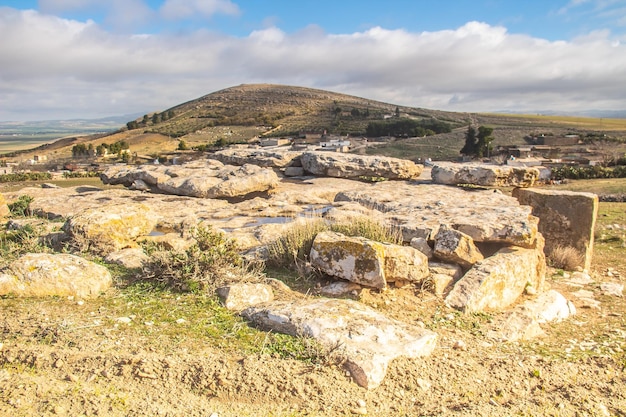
point(67, 59)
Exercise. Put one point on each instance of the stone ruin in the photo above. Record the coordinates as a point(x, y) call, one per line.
point(480, 249)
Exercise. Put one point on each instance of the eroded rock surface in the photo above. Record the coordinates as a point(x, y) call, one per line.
point(342, 165)
point(368, 339)
point(451, 173)
point(45, 274)
point(4, 208)
point(109, 228)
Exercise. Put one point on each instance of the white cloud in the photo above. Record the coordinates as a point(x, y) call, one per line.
point(180, 9)
point(55, 67)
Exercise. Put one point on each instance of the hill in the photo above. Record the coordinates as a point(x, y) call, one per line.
point(242, 113)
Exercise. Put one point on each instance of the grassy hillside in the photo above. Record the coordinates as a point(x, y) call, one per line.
point(242, 113)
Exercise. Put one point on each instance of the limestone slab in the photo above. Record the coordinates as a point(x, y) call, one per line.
point(368, 339)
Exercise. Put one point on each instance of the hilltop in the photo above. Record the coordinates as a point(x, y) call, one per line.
point(246, 112)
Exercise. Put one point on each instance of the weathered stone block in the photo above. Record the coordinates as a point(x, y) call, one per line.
point(496, 282)
point(456, 247)
point(365, 261)
point(342, 165)
point(566, 218)
point(485, 175)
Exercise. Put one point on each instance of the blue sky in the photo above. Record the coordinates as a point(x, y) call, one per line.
point(93, 58)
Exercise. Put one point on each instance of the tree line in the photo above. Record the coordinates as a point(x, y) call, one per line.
point(407, 128)
point(155, 119)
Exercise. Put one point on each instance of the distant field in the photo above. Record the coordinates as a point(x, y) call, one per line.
point(597, 186)
point(591, 123)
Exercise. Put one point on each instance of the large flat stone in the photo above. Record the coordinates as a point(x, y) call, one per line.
point(566, 218)
point(420, 209)
point(342, 165)
point(368, 339)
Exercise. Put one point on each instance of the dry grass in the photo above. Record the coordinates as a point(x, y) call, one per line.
point(566, 257)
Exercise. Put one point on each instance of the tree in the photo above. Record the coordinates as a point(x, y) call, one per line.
point(182, 145)
point(484, 141)
point(470, 146)
point(477, 143)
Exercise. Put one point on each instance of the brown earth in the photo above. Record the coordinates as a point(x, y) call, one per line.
point(68, 357)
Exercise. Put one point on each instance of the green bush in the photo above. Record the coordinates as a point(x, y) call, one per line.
point(587, 172)
point(21, 206)
point(25, 176)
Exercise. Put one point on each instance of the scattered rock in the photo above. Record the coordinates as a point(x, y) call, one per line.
point(460, 345)
point(343, 165)
point(578, 279)
point(131, 258)
point(4, 207)
point(44, 274)
point(368, 339)
point(339, 289)
point(260, 157)
point(241, 296)
point(612, 288)
point(422, 245)
point(206, 179)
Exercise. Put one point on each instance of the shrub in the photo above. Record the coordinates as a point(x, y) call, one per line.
point(21, 206)
point(211, 262)
point(292, 248)
point(565, 257)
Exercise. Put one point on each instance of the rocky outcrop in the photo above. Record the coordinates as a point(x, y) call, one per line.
point(342, 165)
point(44, 274)
point(261, 157)
point(206, 179)
point(420, 209)
point(112, 227)
point(497, 282)
point(131, 258)
point(567, 219)
point(367, 262)
point(484, 175)
point(368, 339)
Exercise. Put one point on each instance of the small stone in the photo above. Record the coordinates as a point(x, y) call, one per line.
point(80, 302)
point(460, 345)
point(71, 378)
point(361, 403)
point(360, 411)
point(124, 320)
point(530, 290)
point(423, 384)
point(105, 373)
point(58, 363)
point(214, 415)
point(181, 321)
point(59, 410)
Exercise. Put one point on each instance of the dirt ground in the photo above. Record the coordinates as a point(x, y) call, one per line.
point(65, 357)
point(57, 360)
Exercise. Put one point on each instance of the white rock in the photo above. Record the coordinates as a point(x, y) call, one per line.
point(368, 339)
point(612, 288)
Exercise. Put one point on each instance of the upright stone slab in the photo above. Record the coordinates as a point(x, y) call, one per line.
point(566, 218)
point(368, 339)
point(496, 282)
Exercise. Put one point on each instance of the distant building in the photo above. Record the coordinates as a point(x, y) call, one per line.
point(275, 142)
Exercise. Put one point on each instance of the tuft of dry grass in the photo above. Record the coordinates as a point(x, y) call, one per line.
point(565, 257)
